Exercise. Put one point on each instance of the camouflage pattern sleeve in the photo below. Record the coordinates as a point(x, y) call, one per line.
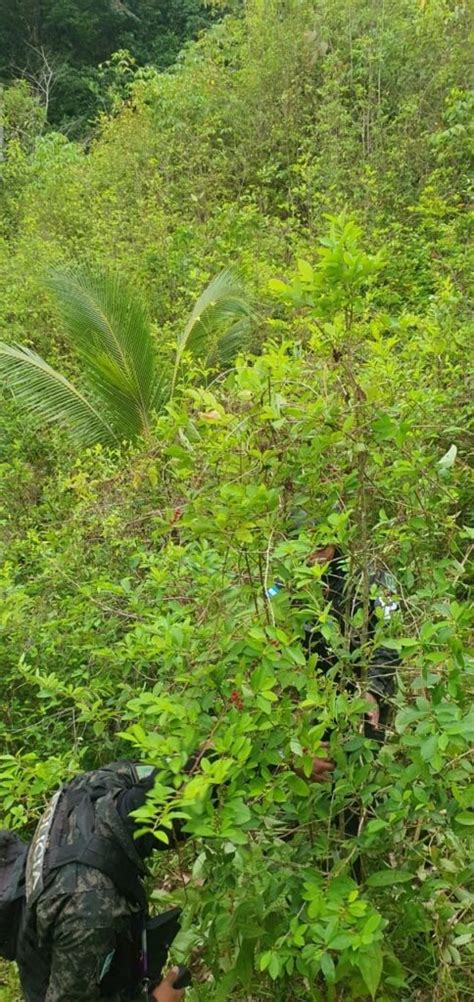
point(78, 957)
point(83, 930)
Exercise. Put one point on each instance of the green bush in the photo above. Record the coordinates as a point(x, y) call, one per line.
point(133, 616)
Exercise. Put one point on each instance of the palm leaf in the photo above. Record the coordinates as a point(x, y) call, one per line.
point(219, 323)
point(222, 352)
point(162, 387)
point(108, 326)
point(50, 396)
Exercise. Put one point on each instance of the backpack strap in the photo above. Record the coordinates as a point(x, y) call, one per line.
point(67, 833)
point(99, 853)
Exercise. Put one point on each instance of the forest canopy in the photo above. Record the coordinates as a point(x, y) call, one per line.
point(313, 158)
point(59, 45)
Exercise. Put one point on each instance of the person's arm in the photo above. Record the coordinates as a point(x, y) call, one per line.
point(82, 942)
point(384, 661)
point(165, 991)
point(380, 683)
point(382, 671)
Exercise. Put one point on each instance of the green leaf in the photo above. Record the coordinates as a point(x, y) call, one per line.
point(466, 937)
point(370, 964)
point(296, 746)
point(50, 396)
point(219, 324)
point(238, 811)
point(262, 679)
point(108, 326)
point(385, 878)
point(465, 818)
point(305, 272)
point(375, 825)
point(244, 962)
point(429, 747)
point(328, 968)
point(274, 966)
point(385, 427)
point(342, 941)
point(278, 287)
point(297, 785)
point(371, 924)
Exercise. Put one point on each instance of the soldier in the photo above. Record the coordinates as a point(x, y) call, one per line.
point(382, 662)
point(343, 603)
point(82, 929)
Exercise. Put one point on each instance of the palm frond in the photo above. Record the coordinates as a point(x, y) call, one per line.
point(108, 326)
point(221, 316)
point(162, 387)
point(50, 396)
point(222, 352)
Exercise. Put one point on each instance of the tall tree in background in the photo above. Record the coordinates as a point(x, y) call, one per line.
point(74, 36)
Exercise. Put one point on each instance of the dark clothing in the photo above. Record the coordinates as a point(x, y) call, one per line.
point(343, 606)
point(70, 939)
point(381, 667)
point(81, 922)
point(131, 800)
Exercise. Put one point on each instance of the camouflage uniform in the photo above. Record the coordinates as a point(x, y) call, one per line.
point(70, 939)
point(69, 936)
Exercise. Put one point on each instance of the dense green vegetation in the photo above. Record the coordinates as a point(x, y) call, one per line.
point(321, 149)
point(59, 46)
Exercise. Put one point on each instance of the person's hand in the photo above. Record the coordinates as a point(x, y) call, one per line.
point(322, 556)
point(165, 991)
point(373, 716)
point(321, 771)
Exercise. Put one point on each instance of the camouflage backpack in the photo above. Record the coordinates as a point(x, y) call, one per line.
point(13, 854)
point(53, 845)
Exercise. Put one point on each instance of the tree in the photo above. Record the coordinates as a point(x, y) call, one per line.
point(126, 381)
point(37, 38)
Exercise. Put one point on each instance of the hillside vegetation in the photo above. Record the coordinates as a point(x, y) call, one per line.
point(63, 48)
point(321, 151)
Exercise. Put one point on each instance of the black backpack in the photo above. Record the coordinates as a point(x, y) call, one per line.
point(52, 846)
point(13, 853)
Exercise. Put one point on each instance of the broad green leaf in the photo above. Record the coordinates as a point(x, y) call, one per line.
point(278, 287)
point(306, 272)
point(371, 924)
point(342, 941)
point(370, 964)
point(465, 818)
point(385, 427)
point(298, 786)
point(328, 968)
point(429, 747)
point(375, 825)
point(274, 966)
point(385, 878)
